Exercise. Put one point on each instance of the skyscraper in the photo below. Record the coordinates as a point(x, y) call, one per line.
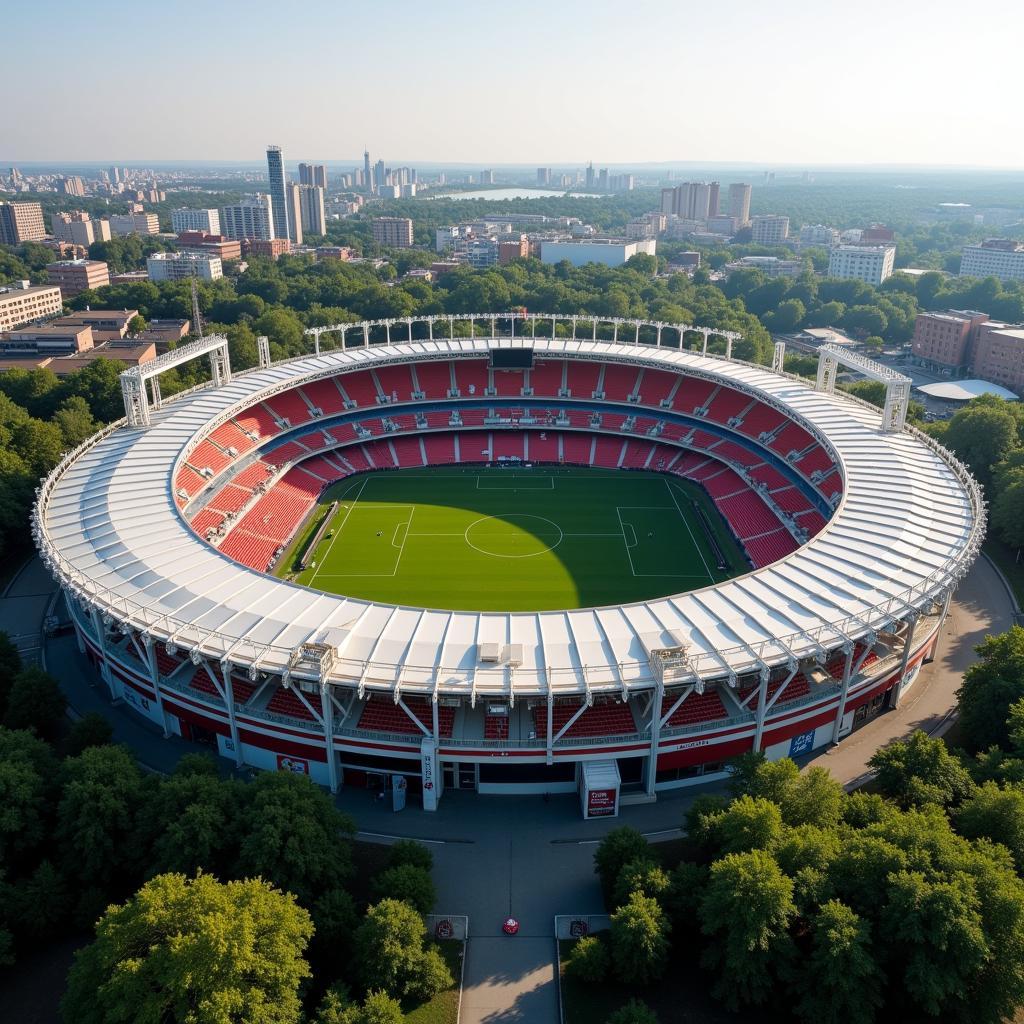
point(311, 208)
point(313, 174)
point(367, 177)
point(739, 203)
point(379, 176)
point(278, 198)
point(590, 175)
point(293, 200)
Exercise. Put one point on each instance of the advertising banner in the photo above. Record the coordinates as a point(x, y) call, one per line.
point(298, 765)
point(399, 788)
point(428, 770)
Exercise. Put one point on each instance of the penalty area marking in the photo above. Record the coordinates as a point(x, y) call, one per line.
point(686, 523)
point(619, 509)
point(352, 502)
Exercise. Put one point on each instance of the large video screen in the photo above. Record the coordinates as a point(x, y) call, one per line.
point(511, 358)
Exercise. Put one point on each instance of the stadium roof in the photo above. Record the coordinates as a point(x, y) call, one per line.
point(965, 390)
point(906, 530)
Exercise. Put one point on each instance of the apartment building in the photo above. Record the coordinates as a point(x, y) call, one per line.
point(134, 224)
point(73, 277)
point(769, 229)
point(870, 263)
point(945, 341)
point(207, 221)
point(77, 227)
point(393, 232)
point(176, 266)
point(999, 355)
point(250, 218)
point(1002, 258)
point(22, 303)
point(21, 222)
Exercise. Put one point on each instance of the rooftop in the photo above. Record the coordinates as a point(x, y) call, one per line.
point(965, 390)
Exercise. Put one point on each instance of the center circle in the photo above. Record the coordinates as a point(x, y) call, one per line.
point(513, 535)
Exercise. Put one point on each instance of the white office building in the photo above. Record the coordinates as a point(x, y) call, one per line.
point(611, 252)
point(207, 221)
point(769, 229)
point(177, 266)
point(1002, 258)
point(819, 234)
point(251, 218)
point(870, 263)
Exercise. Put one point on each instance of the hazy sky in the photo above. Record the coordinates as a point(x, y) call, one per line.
point(617, 81)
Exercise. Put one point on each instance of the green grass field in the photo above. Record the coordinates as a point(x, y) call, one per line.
point(490, 539)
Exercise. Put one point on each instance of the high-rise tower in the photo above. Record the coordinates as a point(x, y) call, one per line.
point(367, 176)
point(278, 199)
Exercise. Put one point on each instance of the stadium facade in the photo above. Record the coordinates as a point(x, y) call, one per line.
point(161, 530)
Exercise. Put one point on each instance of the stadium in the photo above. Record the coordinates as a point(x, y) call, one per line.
point(509, 554)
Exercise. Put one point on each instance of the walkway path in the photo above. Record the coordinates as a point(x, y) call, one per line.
point(524, 855)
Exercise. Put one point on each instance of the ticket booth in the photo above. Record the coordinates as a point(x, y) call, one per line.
point(599, 784)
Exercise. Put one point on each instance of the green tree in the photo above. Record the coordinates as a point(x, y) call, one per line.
point(998, 814)
point(614, 852)
point(745, 913)
point(409, 883)
point(10, 666)
point(921, 770)
point(75, 421)
point(193, 950)
point(990, 686)
point(841, 982)
point(643, 875)
point(588, 961)
point(102, 796)
point(91, 730)
point(27, 768)
point(633, 1012)
point(982, 434)
point(749, 824)
point(639, 940)
point(294, 835)
point(408, 851)
point(35, 702)
point(1008, 510)
point(391, 956)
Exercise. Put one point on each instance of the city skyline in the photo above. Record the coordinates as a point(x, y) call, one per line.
point(898, 103)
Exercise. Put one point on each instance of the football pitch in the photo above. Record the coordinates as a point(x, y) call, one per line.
point(484, 538)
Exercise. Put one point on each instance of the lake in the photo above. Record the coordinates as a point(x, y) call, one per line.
point(498, 194)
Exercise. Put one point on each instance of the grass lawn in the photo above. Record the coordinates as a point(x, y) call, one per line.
point(444, 1007)
point(489, 538)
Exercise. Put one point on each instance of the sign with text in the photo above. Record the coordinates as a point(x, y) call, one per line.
point(298, 765)
point(429, 774)
point(600, 803)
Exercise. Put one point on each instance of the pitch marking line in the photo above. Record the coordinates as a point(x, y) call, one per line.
point(636, 543)
point(686, 523)
point(341, 526)
point(511, 515)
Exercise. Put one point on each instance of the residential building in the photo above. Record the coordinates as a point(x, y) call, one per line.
point(513, 249)
point(278, 192)
point(691, 200)
point(335, 252)
point(407, 190)
point(739, 203)
point(293, 200)
point(870, 263)
point(487, 177)
point(543, 175)
point(393, 232)
point(877, 233)
point(770, 266)
point(75, 276)
point(769, 229)
point(66, 250)
point(251, 218)
point(174, 266)
point(106, 324)
point(999, 355)
point(134, 224)
point(22, 303)
point(73, 186)
point(1002, 258)
point(272, 248)
point(723, 224)
point(79, 228)
point(945, 341)
point(212, 245)
point(611, 252)
point(47, 340)
point(311, 208)
point(128, 353)
point(313, 174)
point(380, 175)
point(446, 236)
point(162, 332)
point(207, 221)
point(819, 234)
point(21, 222)
point(367, 174)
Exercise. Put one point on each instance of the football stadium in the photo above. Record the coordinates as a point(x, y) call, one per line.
point(509, 553)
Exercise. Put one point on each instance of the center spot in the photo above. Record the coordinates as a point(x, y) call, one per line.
point(513, 536)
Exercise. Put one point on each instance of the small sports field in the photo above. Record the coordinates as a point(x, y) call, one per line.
point(484, 538)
